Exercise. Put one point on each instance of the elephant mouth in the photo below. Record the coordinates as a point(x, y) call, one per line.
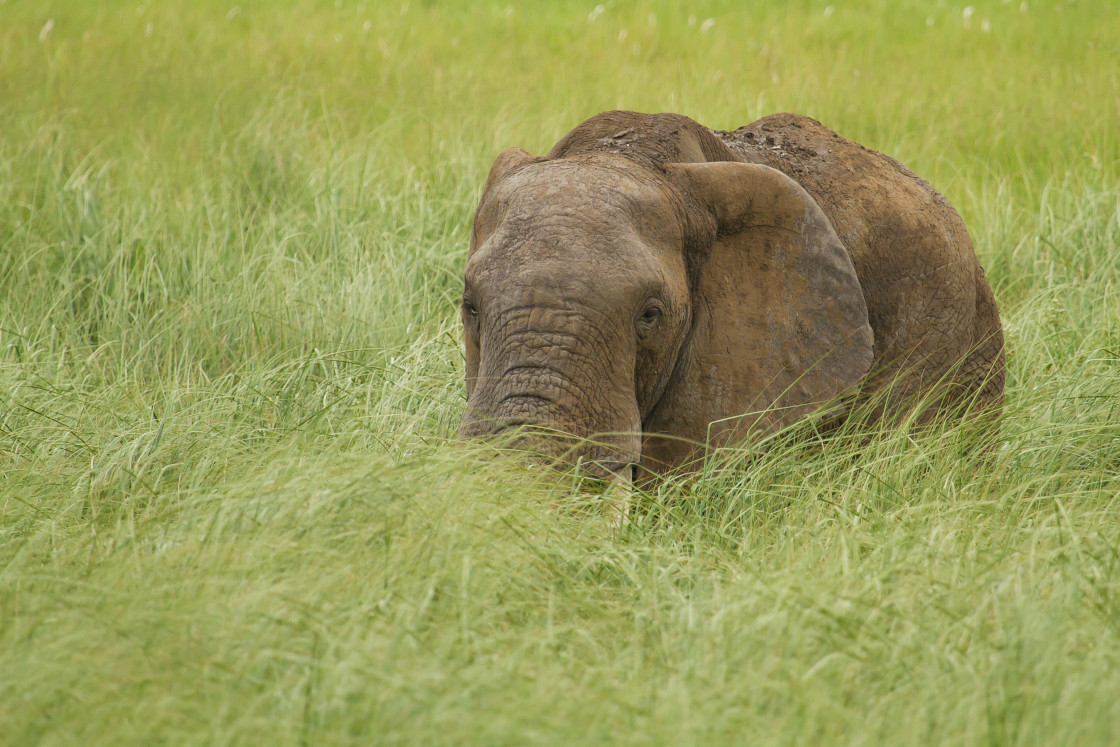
point(612, 474)
point(599, 458)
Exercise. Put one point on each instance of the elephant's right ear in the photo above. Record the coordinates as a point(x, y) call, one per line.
point(779, 318)
point(507, 161)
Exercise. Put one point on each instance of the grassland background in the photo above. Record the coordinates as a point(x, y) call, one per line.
point(231, 238)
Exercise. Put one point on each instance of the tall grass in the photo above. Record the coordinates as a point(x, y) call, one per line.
point(231, 505)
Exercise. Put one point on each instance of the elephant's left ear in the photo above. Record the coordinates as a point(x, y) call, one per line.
point(780, 321)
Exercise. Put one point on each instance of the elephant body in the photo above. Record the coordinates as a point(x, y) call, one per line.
point(928, 301)
point(651, 286)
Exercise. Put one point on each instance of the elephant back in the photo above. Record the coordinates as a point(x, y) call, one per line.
point(652, 140)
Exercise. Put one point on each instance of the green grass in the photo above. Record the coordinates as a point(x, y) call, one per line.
point(231, 505)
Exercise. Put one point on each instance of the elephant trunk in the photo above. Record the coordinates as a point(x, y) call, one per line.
point(549, 378)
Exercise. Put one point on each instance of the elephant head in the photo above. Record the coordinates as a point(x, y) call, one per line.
point(648, 300)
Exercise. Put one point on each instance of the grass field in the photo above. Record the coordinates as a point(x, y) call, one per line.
point(231, 506)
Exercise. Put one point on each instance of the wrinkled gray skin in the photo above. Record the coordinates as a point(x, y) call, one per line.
point(650, 286)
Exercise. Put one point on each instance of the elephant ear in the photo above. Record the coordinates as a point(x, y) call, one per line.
point(779, 319)
point(507, 161)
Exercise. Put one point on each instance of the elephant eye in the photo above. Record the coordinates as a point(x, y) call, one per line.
point(469, 315)
point(649, 318)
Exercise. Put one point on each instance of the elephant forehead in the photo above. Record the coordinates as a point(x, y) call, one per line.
point(586, 196)
point(567, 254)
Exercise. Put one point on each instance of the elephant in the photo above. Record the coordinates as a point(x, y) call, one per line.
point(652, 288)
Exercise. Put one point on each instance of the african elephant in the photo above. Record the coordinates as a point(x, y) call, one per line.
point(652, 285)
